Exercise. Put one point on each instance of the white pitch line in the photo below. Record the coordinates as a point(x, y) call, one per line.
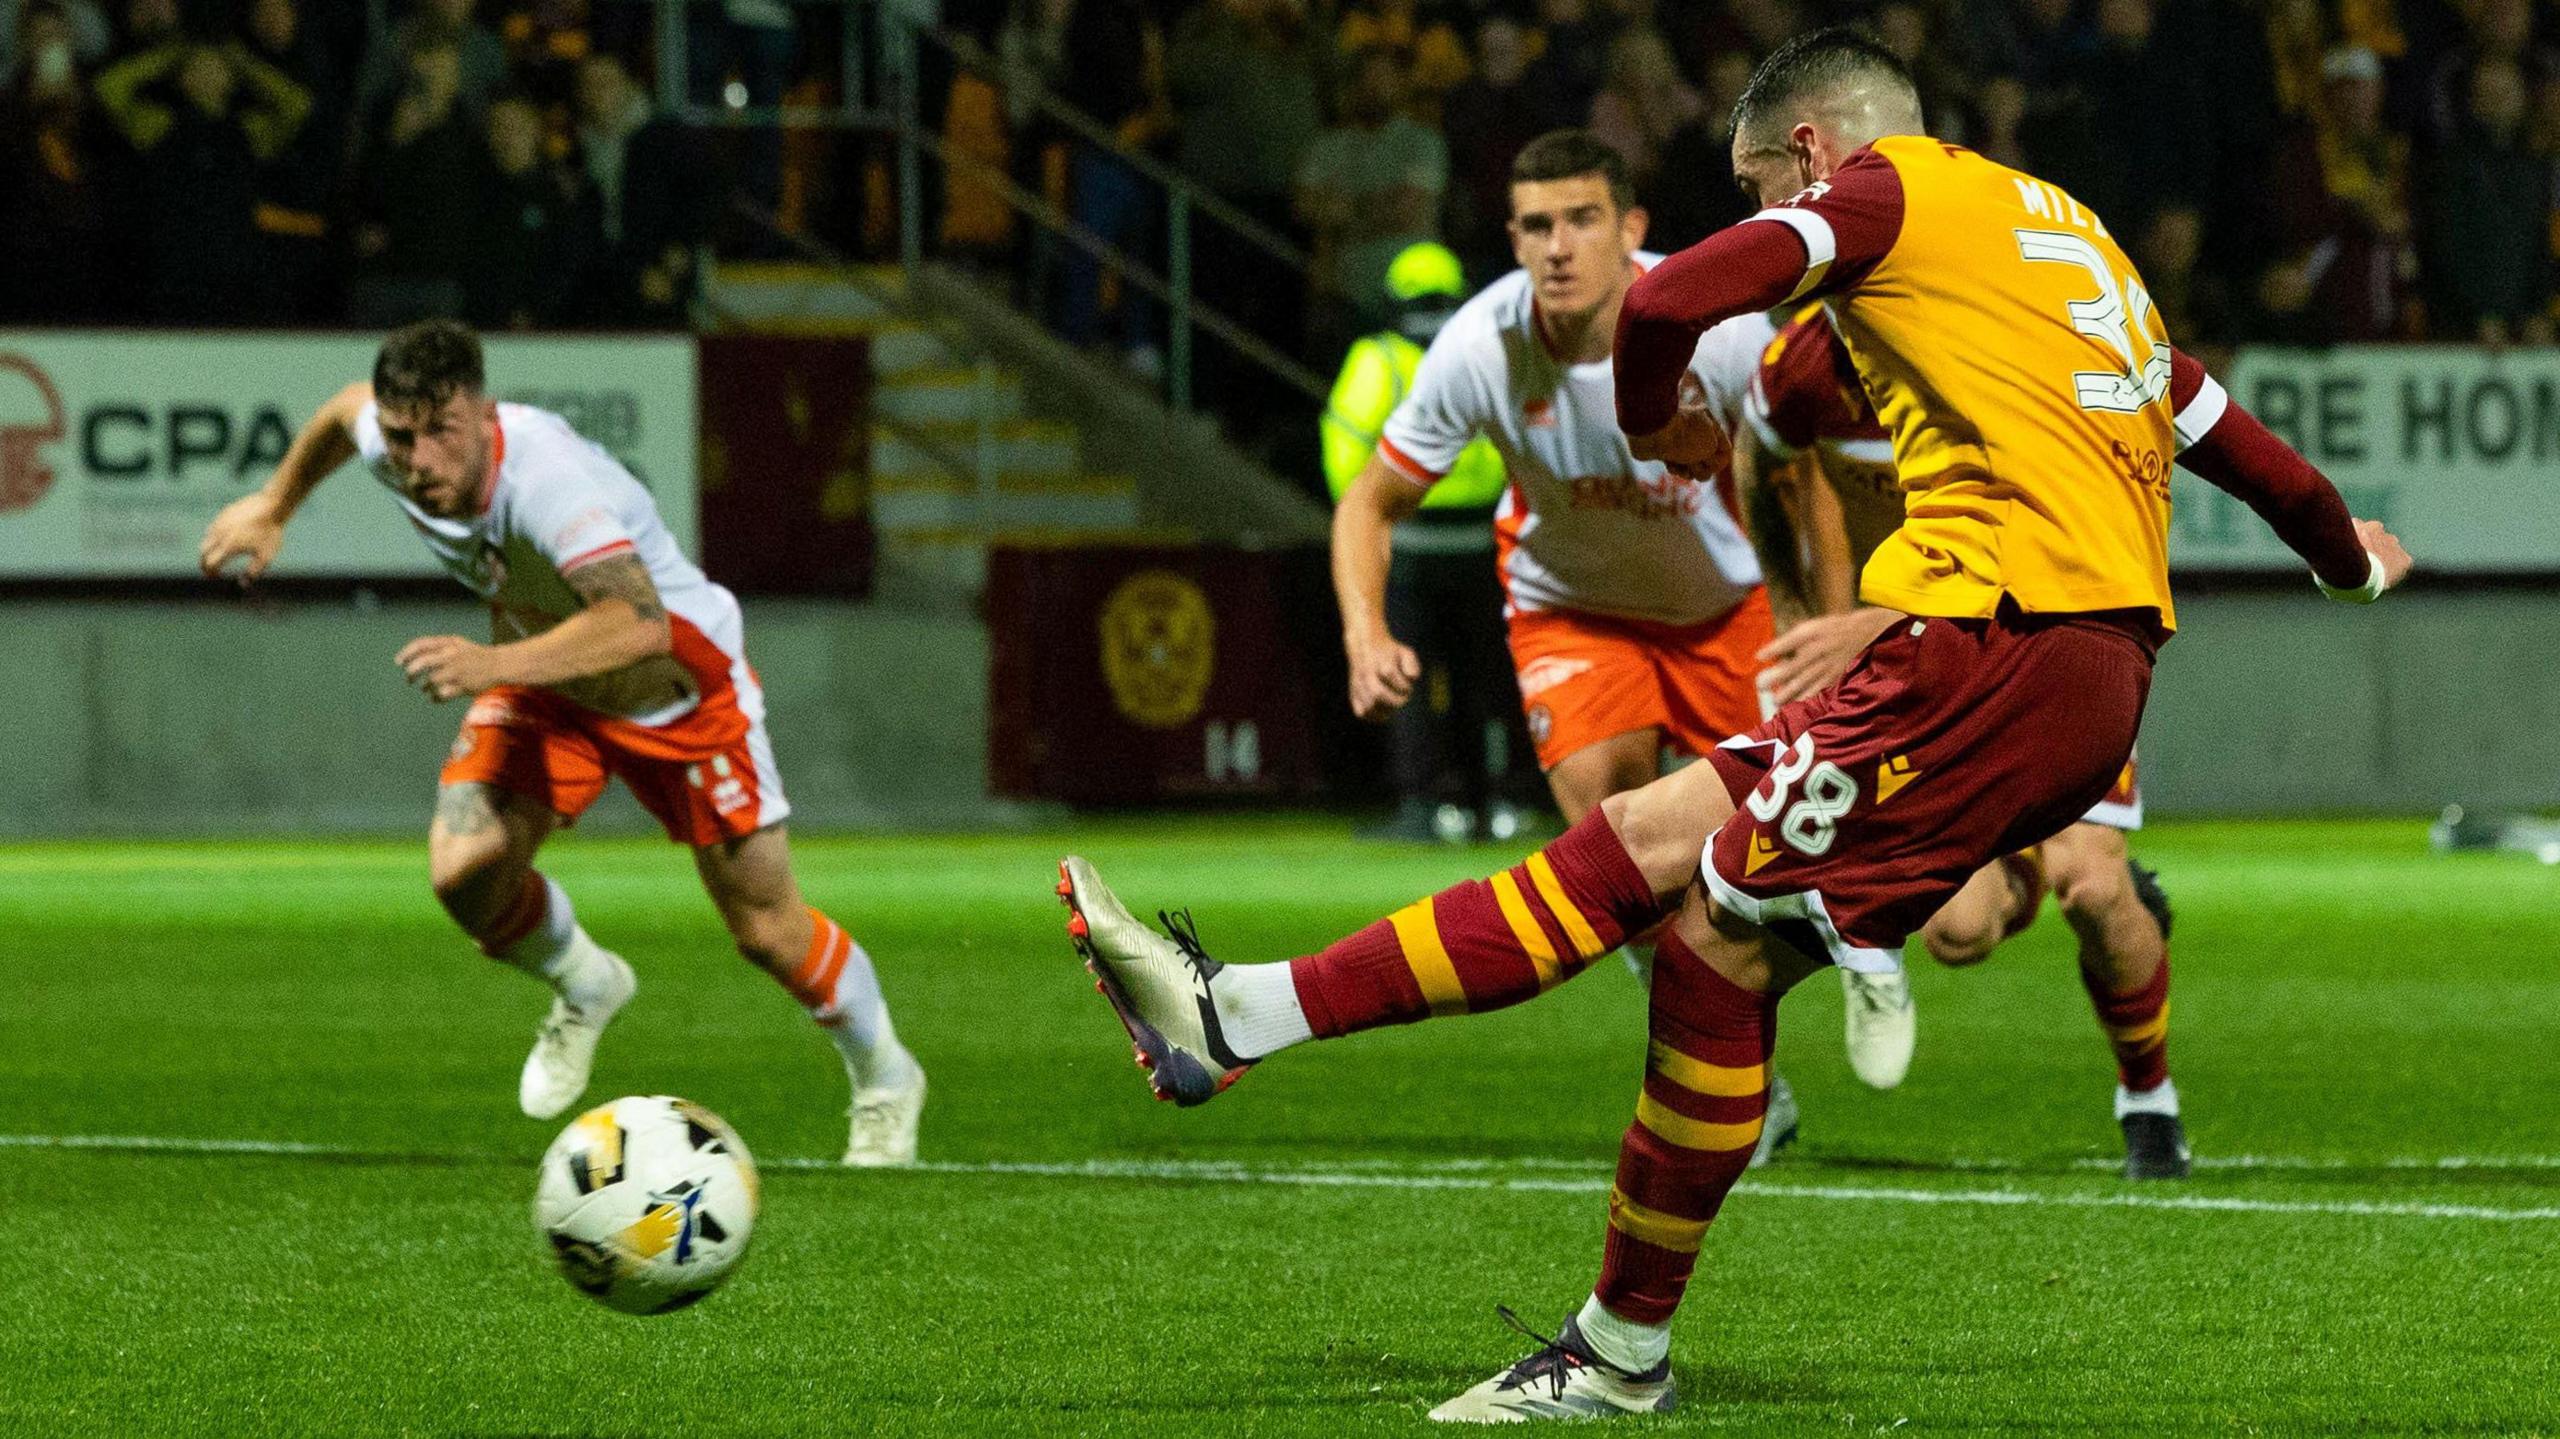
point(1455, 1175)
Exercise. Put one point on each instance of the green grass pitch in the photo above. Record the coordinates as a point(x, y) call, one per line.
point(2370, 1027)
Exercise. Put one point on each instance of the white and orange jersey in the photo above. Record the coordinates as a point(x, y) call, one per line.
point(556, 501)
point(1584, 525)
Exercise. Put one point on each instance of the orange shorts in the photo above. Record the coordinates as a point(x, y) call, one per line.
point(1585, 678)
point(707, 777)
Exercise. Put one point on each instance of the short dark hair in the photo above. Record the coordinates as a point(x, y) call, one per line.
point(428, 363)
point(1812, 63)
point(1565, 154)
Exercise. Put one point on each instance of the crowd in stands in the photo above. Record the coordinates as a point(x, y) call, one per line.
point(262, 162)
point(2314, 171)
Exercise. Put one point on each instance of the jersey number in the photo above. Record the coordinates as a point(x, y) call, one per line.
point(1814, 822)
point(2118, 316)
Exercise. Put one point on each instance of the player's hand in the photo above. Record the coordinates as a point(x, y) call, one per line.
point(248, 528)
point(448, 666)
point(1814, 654)
point(2386, 547)
point(1383, 672)
point(1693, 443)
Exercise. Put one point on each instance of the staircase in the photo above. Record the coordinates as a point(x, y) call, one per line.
point(958, 462)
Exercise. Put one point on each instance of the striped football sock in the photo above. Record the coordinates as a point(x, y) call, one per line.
point(837, 985)
point(2137, 1027)
point(538, 933)
point(1484, 944)
point(1706, 1090)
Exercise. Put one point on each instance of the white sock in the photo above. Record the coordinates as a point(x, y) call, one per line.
point(1622, 1343)
point(857, 1019)
point(1258, 1009)
point(2160, 1100)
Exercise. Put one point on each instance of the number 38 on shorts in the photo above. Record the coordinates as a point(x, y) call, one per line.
point(1823, 794)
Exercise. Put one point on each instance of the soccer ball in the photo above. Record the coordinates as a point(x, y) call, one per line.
point(647, 1203)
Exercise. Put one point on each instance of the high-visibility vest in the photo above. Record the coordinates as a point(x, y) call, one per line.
point(1374, 378)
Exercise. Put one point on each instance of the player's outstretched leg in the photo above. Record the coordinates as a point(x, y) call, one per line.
point(480, 855)
point(751, 881)
point(1198, 1024)
point(1702, 1109)
point(2121, 916)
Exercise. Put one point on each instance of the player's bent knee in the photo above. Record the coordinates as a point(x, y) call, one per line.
point(772, 938)
point(2092, 887)
point(1664, 825)
point(465, 869)
point(1957, 945)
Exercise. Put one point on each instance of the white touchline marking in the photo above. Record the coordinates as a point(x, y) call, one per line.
point(1462, 1174)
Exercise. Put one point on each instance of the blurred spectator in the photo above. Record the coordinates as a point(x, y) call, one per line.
point(2000, 118)
point(2121, 169)
point(148, 25)
point(1106, 59)
point(2033, 40)
point(1693, 195)
point(1243, 78)
point(52, 249)
point(1752, 27)
point(1570, 46)
point(545, 40)
point(537, 230)
point(2500, 32)
point(651, 198)
point(2488, 253)
point(1644, 102)
point(740, 54)
point(1242, 74)
point(85, 21)
point(2195, 305)
point(480, 64)
point(296, 189)
point(1905, 27)
point(1492, 111)
point(2342, 192)
point(203, 118)
point(418, 199)
point(2297, 41)
point(1371, 184)
point(1427, 48)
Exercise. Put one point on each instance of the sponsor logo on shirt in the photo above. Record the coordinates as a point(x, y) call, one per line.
point(1669, 496)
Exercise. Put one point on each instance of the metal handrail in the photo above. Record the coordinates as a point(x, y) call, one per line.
point(1167, 290)
point(970, 53)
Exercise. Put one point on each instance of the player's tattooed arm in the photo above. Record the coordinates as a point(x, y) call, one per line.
point(623, 622)
point(622, 577)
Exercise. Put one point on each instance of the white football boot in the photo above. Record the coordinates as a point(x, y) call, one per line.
point(1159, 987)
point(885, 1116)
point(564, 1049)
point(1880, 1024)
point(1562, 1380)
